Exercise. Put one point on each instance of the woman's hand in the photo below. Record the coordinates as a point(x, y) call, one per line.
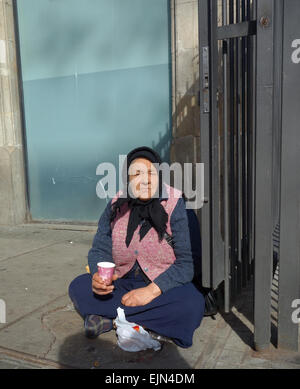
point(141, 296)
point(100, 287)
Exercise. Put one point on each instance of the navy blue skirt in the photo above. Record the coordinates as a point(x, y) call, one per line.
point(175, 314)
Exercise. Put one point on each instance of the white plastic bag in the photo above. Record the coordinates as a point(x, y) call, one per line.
point(130, 339)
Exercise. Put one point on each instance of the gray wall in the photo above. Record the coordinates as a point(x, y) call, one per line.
point(12, 175)
point(185, 59)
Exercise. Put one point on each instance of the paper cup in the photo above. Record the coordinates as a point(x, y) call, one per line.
point(106, 271)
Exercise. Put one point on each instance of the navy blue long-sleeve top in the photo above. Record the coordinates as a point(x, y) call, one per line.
point(179, 273)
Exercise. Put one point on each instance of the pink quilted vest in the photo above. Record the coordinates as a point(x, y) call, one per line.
point(153, 256)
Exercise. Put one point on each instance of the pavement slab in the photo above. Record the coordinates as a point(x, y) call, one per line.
point(29, 239)
point(33, 279)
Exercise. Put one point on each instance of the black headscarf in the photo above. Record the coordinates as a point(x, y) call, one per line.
point(151, 211)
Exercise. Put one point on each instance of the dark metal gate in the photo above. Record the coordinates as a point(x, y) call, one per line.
point(244, 148)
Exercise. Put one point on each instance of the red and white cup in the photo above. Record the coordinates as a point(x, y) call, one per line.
point(106, 271)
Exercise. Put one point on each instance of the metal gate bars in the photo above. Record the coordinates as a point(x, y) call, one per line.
point(242, 138)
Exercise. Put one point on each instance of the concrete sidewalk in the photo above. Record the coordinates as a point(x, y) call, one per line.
point(42, 330)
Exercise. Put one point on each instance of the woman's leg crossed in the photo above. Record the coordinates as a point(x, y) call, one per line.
point(176, 314)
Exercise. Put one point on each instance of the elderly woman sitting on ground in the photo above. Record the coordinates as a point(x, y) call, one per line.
point(153, 275)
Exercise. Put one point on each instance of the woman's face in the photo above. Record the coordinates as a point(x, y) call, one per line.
point(143, 178)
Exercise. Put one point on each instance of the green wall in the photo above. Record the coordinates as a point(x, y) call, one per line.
point(96, 83)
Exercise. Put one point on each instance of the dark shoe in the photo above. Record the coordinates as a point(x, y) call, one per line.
point(95, 325)
point(159, 338)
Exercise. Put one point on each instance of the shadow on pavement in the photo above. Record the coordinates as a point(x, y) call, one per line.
point(242, 314)
point(77, 351)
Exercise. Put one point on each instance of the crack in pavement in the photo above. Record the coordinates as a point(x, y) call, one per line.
point(22, 356)
point(31, 312)
point(44, 325)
